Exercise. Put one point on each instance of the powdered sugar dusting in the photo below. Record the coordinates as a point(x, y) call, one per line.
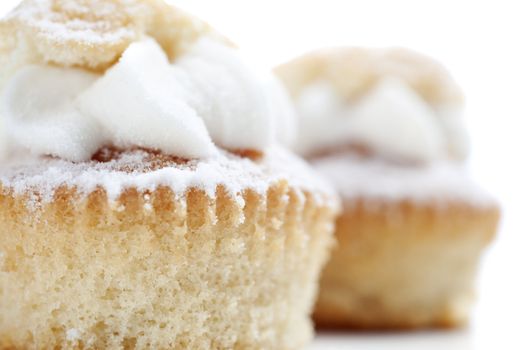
point(376, 180)
point(72, 334)
point(75, 22)
point(133, 170)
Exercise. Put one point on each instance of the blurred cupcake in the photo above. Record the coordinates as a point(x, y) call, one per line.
point(384, 126)
point(144, 201)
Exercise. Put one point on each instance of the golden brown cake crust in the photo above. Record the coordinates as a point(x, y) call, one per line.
point(402, 265)
point(353, 71)
point(160, 266)
point(154, 270)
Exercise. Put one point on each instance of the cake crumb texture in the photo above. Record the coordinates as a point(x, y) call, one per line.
point(155, 270)
point(402, 264)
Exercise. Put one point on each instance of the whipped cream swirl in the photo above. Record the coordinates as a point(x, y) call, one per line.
point(392, 120)
point(208, 98)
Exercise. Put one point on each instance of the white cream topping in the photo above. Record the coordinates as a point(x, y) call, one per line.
point(392, 120)
point(208, 97)
point(41, 115)
point(283, 112)
point(143, 101)
point(375, 181)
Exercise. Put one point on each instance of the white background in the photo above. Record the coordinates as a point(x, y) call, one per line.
point(483, 44)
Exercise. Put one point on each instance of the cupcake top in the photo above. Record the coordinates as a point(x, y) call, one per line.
point(118, 94)
point(383, 126)
point(393, 103)
point(79, 75)
point(115, 171)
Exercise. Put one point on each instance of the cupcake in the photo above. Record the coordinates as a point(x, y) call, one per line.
point(145, 201)
point(384, 126)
